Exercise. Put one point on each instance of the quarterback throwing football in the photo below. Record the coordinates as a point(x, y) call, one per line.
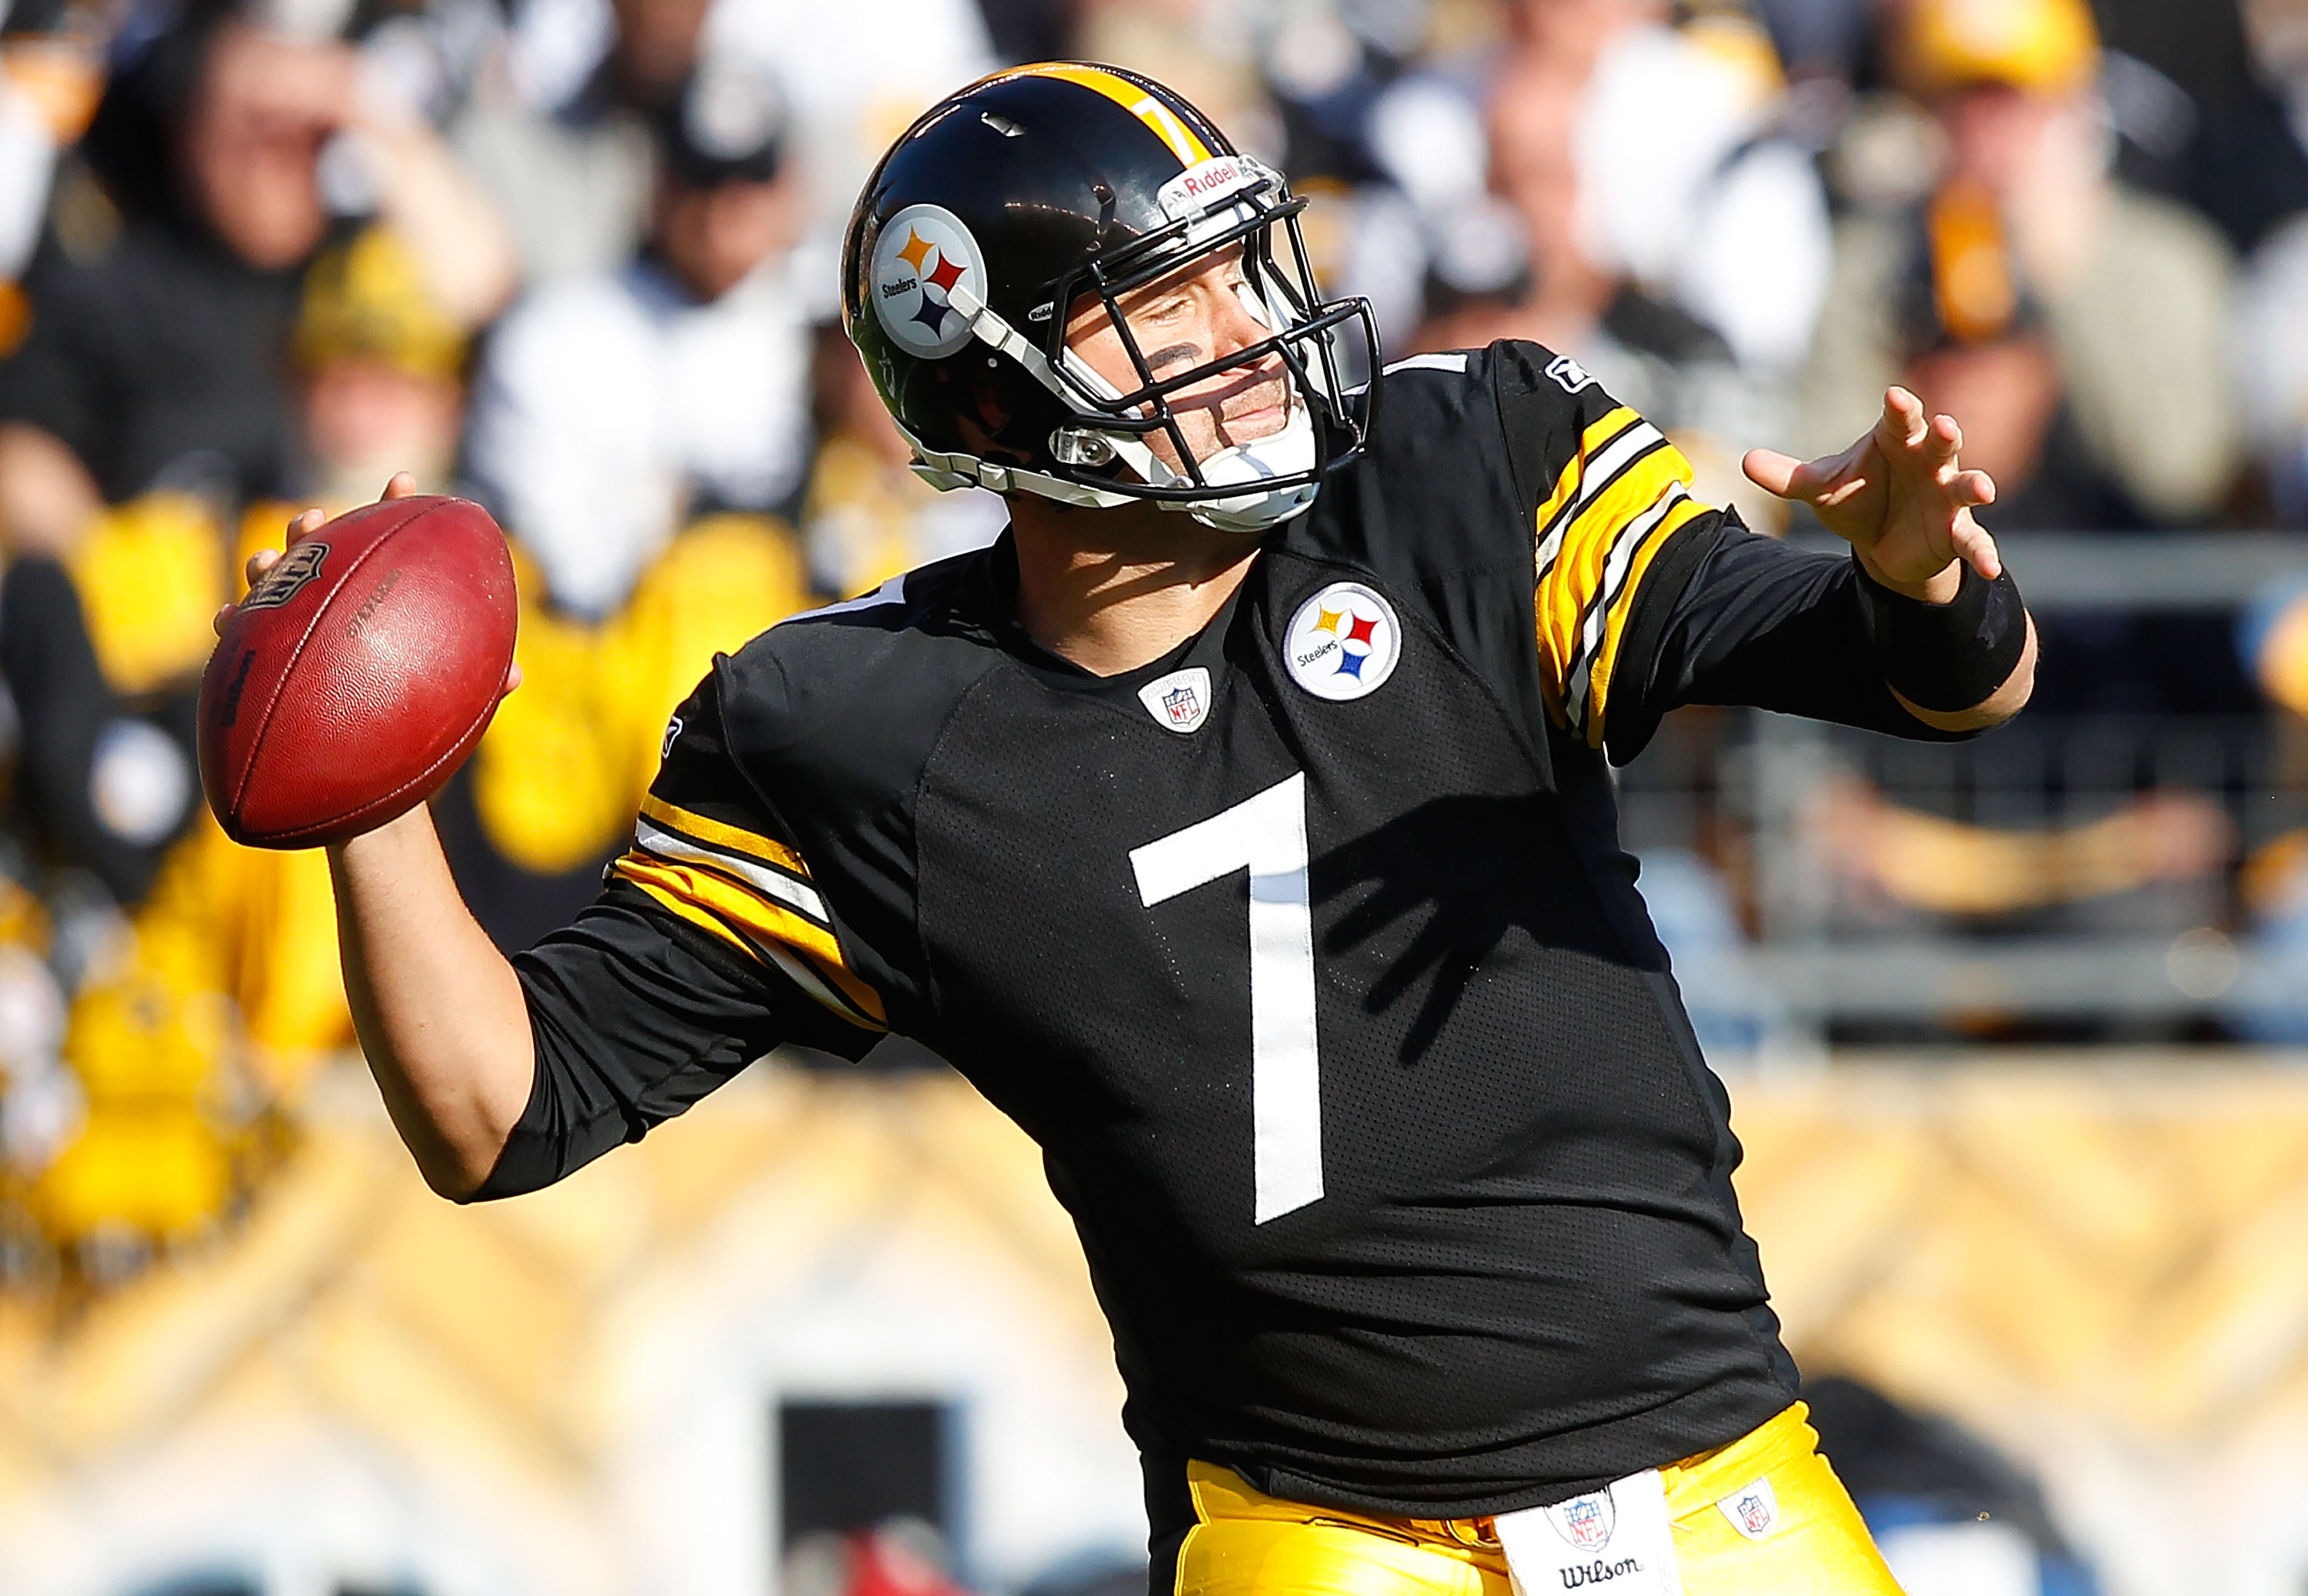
point(1240, 824)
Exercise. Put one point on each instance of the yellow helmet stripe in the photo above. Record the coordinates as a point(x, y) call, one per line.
point(1168, 125)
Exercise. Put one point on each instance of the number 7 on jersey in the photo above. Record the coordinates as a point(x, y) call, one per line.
point(1266, 835)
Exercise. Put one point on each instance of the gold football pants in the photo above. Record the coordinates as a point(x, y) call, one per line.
point(1245, 1543)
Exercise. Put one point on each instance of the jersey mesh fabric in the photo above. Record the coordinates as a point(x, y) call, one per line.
point(1511, 1266)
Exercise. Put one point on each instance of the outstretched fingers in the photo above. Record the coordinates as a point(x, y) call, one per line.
point(1943, 441)
point(1823, 483)
point(1771, 471)
point(1904, 422)
point(1971, 489)
point(1974, 546)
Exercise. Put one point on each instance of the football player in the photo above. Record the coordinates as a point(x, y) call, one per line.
point(1241, 824)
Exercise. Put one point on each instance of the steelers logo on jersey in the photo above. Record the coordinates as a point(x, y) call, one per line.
point(1343, 643)
point(922, 256)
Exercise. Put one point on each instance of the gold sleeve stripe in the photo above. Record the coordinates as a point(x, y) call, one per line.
point(734, 904)
point(1606, 481)
point(1591, 533)
point(799, 896)
point(1569, 587)
point(1605, 450)
point(1592, 443)
point(729, 838)
point(1591, 680)
point(846, 996)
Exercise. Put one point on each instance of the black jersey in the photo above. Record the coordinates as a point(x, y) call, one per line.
point(1307, 954)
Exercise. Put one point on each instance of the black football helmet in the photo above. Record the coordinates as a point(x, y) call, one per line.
point(1009, 202)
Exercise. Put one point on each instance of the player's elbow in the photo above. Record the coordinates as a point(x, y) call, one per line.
point(458, 1174)
point(1992, 711)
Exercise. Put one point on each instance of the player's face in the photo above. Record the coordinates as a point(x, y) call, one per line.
point(1195, 315)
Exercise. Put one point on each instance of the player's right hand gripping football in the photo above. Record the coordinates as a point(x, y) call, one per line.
point(402, 486)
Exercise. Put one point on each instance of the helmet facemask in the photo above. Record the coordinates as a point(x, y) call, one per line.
point(1101, 455)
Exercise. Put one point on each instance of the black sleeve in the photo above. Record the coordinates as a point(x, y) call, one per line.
point(709, 946)
point(637, 1016)
point(1729, 617)
point(66, 710)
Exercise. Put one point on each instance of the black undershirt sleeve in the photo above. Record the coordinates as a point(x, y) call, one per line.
point(1728, 617)
point(636, 1016)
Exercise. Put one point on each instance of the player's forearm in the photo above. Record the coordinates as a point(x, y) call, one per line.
point(440, 1013)
point(1998, 706)
point(1959, 657)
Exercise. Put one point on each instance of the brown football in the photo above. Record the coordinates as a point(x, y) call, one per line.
point(359, 674)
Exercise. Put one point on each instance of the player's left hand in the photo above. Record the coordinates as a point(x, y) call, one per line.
point(1898, 497)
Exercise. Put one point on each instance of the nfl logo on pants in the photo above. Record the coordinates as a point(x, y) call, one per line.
point(1586, 1521)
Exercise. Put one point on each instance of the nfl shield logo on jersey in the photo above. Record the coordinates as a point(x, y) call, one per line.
point(1585, 1522)
point(1753, 1509)
point(1343, 643)
point(1179, 702)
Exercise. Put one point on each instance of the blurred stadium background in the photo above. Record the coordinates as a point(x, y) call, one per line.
point(2017, 1031)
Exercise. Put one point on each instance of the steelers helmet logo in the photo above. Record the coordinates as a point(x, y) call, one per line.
point(923, 254)
point(1343, 643)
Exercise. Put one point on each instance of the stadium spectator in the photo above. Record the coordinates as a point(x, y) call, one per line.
point(161, 318)
point(1973, 341)
point(2247, 166)
point(570, 163)
point(1705, 209)
point(638, 430)
point(1678, 260)
point(2254, 166)
point(869, 517)
point(611, 407)
point(1581, 300)
point(1826, 38)
point(218, 991)
point(2133, 292)
point(51, 75)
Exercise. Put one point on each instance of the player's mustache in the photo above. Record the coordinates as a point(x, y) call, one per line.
point(1260, 386)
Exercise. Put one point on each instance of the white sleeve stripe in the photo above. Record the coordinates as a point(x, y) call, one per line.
point(1454, 360)
point(892, 591)
point(1616, 567)
point(797, 970)
point(788, 892)
point(1615, 459)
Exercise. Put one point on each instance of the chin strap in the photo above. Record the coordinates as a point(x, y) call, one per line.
point(1287, 451)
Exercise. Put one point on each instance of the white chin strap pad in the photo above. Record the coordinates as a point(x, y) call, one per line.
point(1283, 453)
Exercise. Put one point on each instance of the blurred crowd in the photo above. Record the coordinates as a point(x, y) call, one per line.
point(576, 259)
